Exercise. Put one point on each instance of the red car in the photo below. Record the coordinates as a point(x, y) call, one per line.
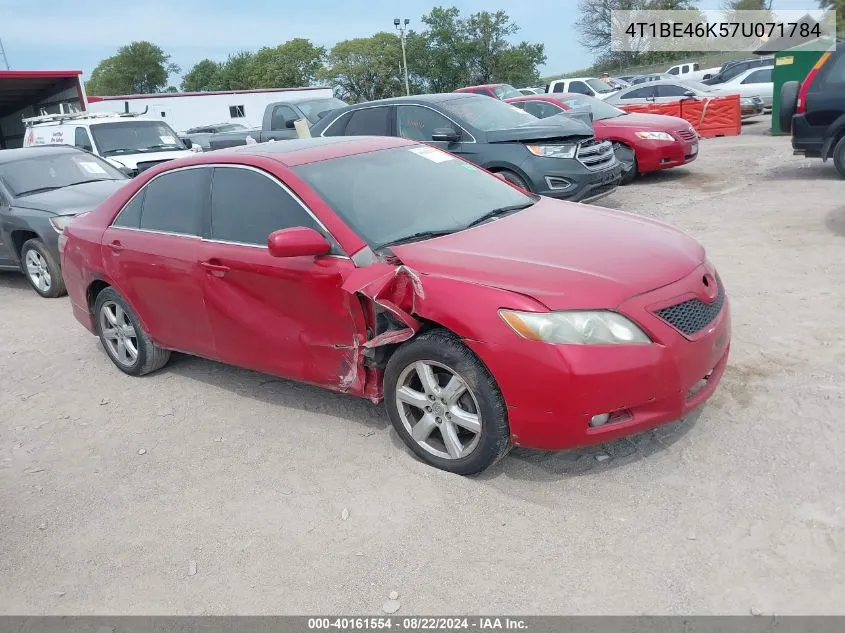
point(643, 142)
point(497, 91)
point(483, 316)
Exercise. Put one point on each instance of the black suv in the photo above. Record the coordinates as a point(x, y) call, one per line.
point(814, 110)
point(734, 68)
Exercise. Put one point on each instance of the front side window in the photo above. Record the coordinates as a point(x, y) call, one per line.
point(280, 117)
point(177, 202)
point(671, 90)
point(369, 122)
point(247, 206)
point(646, 92)
point(394, 193)
point(418, 123)
point(133, 137)
point(579, 87)
point(54, 171)
point(673, 70)
point(81, 139)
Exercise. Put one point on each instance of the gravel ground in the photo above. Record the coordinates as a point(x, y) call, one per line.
point(205, 489)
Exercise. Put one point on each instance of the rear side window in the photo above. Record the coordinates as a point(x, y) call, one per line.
point(541, 109)
point(558, 87)
point(130, 216)
point(833, 71)
point(281, 115)
point(177, 202)
point(761, 76)
point(671, 90)
point(369, 122)
point(338, 127)
point(247, 206)
point(646, 92)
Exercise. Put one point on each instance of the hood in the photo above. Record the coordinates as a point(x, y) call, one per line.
point(131, 160)
point(563, 126)
point(564, 254)
point(646, 122)
point(71, 200)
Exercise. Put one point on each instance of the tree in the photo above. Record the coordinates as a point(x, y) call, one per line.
point(366, 68)
point(292, 64)
point(839, 7)
point(204, 76)
point(747, 5)
point(234, 73)
point(138, 68)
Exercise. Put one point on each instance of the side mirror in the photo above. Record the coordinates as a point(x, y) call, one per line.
point(290, 124)
point(445, 134)
point(298, 241)
point(188, 143)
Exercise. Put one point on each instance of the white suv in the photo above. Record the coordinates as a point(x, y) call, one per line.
point(129, 142)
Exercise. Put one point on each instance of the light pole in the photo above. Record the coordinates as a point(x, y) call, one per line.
point(401, 26)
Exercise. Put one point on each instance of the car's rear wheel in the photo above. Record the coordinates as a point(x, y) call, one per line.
point(41, 269)
point(839, 156)
point(514, 179)
point(123, 338)
point(445, 405)
point(788, 104)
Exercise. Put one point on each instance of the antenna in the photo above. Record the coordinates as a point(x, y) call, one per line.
point(3, 56)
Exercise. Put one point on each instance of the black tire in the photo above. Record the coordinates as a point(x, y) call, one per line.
point(443, 348)
point(150, 356)
point(514, 179)
point(839, 156)
point(788, 104)
point(56, 285)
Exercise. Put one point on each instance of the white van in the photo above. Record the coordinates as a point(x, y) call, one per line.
point(130, 142)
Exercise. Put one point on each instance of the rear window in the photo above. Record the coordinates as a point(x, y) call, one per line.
point(506, 92)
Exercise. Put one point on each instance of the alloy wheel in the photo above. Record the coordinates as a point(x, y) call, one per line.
point(37, 271)
point(438, 409)
point(119, 334)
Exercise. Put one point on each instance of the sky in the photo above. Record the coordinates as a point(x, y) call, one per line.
point(76, 35)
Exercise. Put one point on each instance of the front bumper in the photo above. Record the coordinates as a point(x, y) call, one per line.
point(568, 179)
point(553, 391)
point(656, 155)
point(751, 109)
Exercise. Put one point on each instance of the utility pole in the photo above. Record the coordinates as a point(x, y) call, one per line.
point(401, 26)
point(3, 55)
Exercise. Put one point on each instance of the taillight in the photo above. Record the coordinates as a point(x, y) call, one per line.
point(801, 104)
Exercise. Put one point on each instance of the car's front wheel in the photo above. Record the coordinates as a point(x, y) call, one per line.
point(445, 405)
point(41, 269)
point(123, 337)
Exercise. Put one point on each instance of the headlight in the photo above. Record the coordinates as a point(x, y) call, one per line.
point(59, 222)
point(599, 327)
point(554, 151)
point(654, 136)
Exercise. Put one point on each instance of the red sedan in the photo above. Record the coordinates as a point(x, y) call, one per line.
point(643, 142)
point(483, 316)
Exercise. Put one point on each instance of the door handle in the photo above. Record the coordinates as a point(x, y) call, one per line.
point(115, 246)
point(215, 268)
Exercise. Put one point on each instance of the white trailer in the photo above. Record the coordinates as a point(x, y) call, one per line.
point(185, 110)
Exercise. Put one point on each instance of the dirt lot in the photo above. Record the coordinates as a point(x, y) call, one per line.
point(740, 508)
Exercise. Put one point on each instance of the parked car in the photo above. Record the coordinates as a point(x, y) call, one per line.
point(200, 135)
point(383, 268)
point(41, 190)
point(642, 142)
point(129, 141)
point(754, 82)
point(582, 85)
point(618, 83)
point(642, 79)
point(530, 91)
point(559, 158)
point(497, 91)
point(814, 110)
point(278, 122)
point(733, 68)
point(677, 90)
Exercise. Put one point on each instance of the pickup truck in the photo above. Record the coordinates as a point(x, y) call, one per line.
point(278, 122)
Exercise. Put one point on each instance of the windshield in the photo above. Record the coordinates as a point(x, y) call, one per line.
point(54, 171)
point(599, 86)
point(313, 109)
point(131, 137)
point(394, 193)
point(506, 91)
point(600, 109)
point(488, 114)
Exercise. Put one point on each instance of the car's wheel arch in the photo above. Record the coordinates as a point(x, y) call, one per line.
point(834, 132)
point(100, 282)
point(21, 236)
point(495, 167)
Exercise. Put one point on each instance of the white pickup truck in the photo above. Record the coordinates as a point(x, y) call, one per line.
point(691, 71)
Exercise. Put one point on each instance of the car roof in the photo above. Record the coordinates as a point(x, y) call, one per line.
point(11, 155)
point(441, 97)
point(301, 151)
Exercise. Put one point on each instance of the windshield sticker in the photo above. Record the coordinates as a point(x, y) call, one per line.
point(92, 168)
point(168, 140)
point(434, 155)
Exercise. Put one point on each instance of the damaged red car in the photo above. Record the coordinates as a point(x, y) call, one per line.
point(483, 316)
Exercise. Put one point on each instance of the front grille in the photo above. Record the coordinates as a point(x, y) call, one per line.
point(595, 155)
point(693, 315)
point(687, 135)
point(150, 163)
